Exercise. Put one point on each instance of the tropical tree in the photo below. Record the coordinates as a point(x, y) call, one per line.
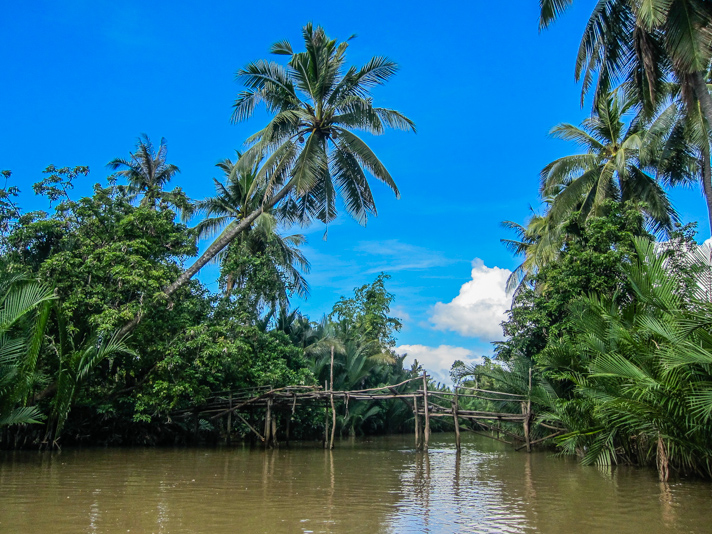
point(235, 200)
point(309, 147)
point(612, 167)
point(74, 365)
point(678, 148)
point(645, 45)
point(645, 396)
point(148, 173)
point(591, 260)
point(540, 243)
point(642, 43)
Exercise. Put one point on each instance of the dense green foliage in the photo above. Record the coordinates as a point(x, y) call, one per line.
point(612, 324)
point(108, 257)
point(130, 343)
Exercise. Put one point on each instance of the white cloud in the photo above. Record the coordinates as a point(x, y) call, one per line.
point(437, 360)
point(400, 312)
point(479, 308)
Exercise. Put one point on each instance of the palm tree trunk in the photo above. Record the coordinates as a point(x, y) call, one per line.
point(702, 93)
point(212, 251)
point(223, 241)
point(699, 85)
point(707, 181)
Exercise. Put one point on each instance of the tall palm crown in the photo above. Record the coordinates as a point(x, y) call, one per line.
point(148, 173)
point(613, 166)
point(681, 151)
point(235, 200)
point(309, 150)
point(642, 43)
point(309, 144)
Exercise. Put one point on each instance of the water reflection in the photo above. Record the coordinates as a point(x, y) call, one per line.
point(363, 487)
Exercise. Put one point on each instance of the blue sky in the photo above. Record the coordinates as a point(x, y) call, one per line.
point(81, 80)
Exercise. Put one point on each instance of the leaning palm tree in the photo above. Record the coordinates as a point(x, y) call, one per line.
point(148, 174)
point(611, 167)
point(310, 151)
point(236, 199)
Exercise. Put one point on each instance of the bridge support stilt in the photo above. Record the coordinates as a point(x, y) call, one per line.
point(268, 425)
point(416, 417)
point(457, 420)
point(426, 433)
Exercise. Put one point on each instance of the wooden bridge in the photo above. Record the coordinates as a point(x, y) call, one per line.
point(425, 404)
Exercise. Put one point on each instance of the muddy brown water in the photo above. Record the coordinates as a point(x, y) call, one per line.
point(379, 485)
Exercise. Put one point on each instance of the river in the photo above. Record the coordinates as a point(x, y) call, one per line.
point(379, 485)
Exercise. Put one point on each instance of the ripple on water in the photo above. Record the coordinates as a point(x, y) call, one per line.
point(374, 487)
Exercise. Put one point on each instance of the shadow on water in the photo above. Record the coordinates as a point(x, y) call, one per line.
point(363, 486)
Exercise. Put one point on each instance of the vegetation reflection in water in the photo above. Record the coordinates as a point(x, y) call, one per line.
point(374, 486)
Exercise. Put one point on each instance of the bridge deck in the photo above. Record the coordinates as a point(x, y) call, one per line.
point(422, 402)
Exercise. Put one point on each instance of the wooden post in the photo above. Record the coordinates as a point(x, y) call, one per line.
point(229, 419)
point(417, 422)
point(268, 424)
point(333, 410)
point(528, 421)
point(457, 422)
point(286, 428)
point(275, 443)
point(326, 420)
point(426, 433)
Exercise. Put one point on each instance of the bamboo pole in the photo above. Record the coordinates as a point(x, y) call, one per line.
point(527, 419)
point(262, 439)
point(286, 429)
point(457, 421)
point(417, 421)
point(333, 409)
point(268, 424)
point(445, 395)
point(497, 392)
point(326, 421)
point(386, 387)
point(426, 433)
point(229, 421)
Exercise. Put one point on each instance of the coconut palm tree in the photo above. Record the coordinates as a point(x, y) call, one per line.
point(642, 43)
point(610, 169)
point(678, 147)
point(234, 201)
point(148, 174)
point(310, 151)
point(540, 243)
